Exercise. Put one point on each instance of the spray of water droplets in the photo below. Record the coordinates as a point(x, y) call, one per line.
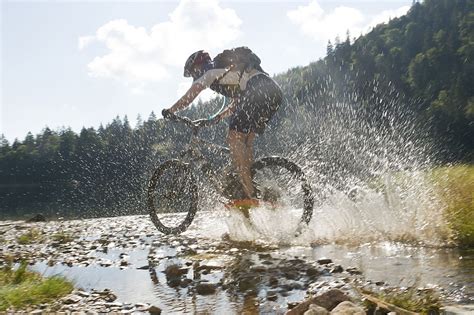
point(367, 163)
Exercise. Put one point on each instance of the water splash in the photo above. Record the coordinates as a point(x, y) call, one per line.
point(368, 169)
point(405, 212)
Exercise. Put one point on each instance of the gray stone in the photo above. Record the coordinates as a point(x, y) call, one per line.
point(353, 271)
point(83, 294)
point(312, 272)
point(113, 304)
point(324, 261)
point(337, 269)
point(347, 308)
point(72, 299)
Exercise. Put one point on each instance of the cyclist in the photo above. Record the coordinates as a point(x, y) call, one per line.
point(255, 97)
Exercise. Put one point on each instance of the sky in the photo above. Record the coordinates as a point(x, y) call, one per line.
point(82, 63)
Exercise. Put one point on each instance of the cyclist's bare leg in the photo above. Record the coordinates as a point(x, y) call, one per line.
point(241, 151)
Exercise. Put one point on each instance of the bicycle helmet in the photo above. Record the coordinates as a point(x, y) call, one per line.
point(198, 58)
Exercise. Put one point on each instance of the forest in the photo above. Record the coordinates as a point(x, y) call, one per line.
point(411, 78)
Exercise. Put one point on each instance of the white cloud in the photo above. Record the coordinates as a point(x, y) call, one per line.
point(322, 26)
point(84, 41)
point(137, 55)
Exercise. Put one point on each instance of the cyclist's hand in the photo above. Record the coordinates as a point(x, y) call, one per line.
point(203, 122)
point(167, 114)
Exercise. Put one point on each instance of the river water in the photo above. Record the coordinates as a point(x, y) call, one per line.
point(449, 270)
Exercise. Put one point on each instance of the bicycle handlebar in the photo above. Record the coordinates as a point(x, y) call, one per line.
point(184, 120)
point(188, 122)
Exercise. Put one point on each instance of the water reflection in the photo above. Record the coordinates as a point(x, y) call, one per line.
point(400, 265)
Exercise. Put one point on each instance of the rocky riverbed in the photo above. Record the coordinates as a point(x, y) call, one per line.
point(124, 265)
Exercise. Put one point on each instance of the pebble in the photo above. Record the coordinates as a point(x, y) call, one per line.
point(337, 269)
point(205, 288)
point(324, 261)
point(353, 271)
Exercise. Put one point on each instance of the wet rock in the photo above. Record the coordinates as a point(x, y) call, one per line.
point(141, 307)
point(72, 299)
point(106, 295)
point(37, 218)
point(353, 271)
point(113, 304)
point(43, 306)
point(292, 305)
point(291, 274)
point(174, 282)
point(273, 281)
point(312, 272)
point(83, 294)
point(337, 269)
point(154, 310)
point(205, 288)
point(124, 263)
point(105, 263)
point(272, 296)
point(316, 310)
point(258, 269)
point(324, 261)
point(347, 308)
point(328, 300)
point(185, 283)
point(174, 271)
point(295, 286)
point(247, 283)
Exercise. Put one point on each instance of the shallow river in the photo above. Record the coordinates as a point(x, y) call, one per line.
point(233, 265)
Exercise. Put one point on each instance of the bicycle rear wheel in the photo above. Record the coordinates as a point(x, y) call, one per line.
point(282, 183)
point(172, 197)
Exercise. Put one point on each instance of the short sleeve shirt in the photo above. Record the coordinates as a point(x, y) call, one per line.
point(226, 77)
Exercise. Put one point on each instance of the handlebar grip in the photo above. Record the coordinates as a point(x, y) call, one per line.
point(168, 115)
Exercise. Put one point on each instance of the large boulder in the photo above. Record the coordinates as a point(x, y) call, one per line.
point(327, 300)
point(348, 308)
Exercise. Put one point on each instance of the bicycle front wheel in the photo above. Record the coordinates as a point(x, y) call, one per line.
point(172, 197)
point(282, 183)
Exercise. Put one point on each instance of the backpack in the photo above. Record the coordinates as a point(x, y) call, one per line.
point(239, 59)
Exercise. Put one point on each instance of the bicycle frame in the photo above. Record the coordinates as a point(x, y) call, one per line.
point(193, 155)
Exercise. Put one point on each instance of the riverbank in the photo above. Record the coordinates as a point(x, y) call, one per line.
point(198, 272)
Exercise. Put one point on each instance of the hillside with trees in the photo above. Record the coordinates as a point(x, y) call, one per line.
point(409, 81)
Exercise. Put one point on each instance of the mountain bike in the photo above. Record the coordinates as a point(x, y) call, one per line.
point(173, 188)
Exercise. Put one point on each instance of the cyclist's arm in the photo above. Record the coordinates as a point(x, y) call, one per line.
point(188, 97)
point(227, 111)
